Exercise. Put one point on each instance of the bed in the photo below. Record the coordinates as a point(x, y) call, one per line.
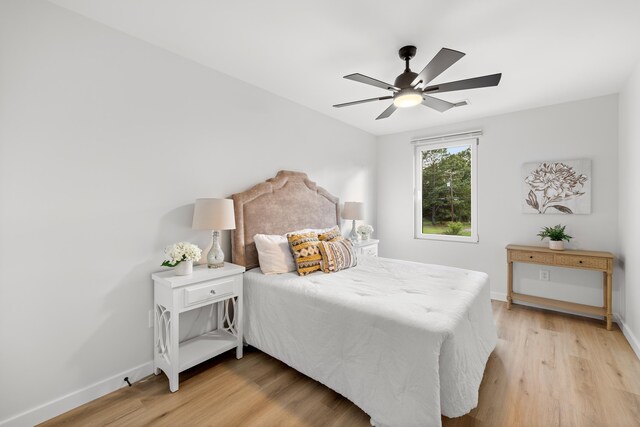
point(404, 341)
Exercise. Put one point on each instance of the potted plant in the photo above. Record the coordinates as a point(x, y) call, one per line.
point(181, 256)
point(556, 236)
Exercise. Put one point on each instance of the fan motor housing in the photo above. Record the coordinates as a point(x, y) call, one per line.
point(405, 79)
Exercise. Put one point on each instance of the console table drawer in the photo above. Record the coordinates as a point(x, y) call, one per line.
point(581, 261)
point(537, 257)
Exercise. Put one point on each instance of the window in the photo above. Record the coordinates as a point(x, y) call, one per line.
point(445, 188)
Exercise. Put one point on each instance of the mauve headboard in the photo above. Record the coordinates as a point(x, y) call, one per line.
point(288, 202)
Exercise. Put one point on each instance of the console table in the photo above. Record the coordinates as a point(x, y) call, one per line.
point(585, 260)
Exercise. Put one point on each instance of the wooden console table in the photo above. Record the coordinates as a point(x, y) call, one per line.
point(586, 260)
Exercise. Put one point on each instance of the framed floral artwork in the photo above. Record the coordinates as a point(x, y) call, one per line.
point(557, 187)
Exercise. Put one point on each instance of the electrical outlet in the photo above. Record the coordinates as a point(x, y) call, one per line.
point(150, 320)
point(544, 275)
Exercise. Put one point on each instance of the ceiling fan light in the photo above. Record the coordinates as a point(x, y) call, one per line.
point(406, 100)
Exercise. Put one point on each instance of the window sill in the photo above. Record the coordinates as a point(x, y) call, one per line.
point(446, 238)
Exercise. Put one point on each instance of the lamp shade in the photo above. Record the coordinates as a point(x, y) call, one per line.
point(214, 214)
point(353, 210)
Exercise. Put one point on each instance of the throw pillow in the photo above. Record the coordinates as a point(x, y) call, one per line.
point(331, 235)
point(338, 255)
point(306, 253)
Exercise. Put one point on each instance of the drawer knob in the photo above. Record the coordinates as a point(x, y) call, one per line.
point(214, 292)
point(531, 256)
point(580, 261)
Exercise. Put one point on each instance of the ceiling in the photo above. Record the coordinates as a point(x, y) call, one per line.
point(549, 51)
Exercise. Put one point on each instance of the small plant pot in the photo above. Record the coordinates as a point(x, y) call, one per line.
point(556, 245)
point(184, 268)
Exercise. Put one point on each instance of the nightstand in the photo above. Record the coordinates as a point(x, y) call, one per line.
point(367, 247)
point(178, 294)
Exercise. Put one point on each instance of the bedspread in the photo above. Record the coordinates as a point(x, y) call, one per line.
point(404, 341)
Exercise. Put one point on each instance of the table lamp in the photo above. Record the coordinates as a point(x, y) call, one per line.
point(353, 211)
point(215, 215)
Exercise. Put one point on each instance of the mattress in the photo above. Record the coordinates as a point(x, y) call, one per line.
point(404, 341)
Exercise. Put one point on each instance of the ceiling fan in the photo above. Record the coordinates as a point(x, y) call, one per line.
point(410, 89)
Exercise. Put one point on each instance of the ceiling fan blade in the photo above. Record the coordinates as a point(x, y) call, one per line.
point(443, 60)
point(437, 104)
point(386, 113)
point(357, 77)
point(474, 83)
point(362, 101)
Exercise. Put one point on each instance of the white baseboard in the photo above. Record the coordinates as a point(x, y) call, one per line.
point(498, 296)
point(631, 338)
point(79, 397)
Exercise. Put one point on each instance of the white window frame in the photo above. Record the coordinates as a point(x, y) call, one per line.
point(472, 139)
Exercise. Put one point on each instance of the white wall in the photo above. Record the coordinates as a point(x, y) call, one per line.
point(629, 229)
point(578, 130)
point(105, 143)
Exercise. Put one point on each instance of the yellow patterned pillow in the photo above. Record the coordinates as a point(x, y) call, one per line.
point(337, 255)
point(332, 235)
point(306, 252)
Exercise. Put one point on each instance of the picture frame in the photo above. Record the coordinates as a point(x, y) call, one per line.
point(557, 187)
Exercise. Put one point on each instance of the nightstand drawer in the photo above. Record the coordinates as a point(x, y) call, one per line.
point(370, 250)
point(539, 257)
point(208, 291)
point(581, 261)
point(366, 248)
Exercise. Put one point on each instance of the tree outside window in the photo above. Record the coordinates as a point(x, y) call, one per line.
point(446, 200)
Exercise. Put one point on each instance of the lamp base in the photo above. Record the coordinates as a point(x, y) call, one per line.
point(215, 258)
point(353, 236)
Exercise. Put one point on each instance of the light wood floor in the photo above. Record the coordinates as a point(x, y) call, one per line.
point(548, 369)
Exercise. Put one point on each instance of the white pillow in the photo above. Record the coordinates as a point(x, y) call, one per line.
point(274, 254)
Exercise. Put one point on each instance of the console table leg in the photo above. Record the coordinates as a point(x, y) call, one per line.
point(604, 290)
point(604, 294)
point(609, 292)
point(509, 284)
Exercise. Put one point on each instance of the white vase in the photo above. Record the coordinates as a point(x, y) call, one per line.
point(364, 236)
point(184, 268)
point(556, 245)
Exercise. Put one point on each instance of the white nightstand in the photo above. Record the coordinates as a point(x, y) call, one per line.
point(177, 294)
point(366, 247)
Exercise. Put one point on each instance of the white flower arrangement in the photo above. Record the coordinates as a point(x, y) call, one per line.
point(365, 229)
point(182, 251)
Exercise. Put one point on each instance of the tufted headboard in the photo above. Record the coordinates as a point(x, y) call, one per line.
point(288, 202)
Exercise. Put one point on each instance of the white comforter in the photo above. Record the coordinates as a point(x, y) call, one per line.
point(404, 341)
